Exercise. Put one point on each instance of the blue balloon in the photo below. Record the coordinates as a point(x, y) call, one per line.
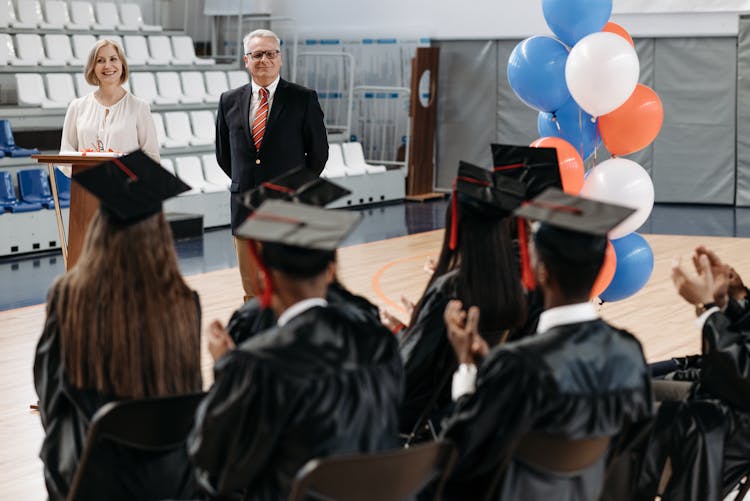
point(635, 263)
point(573, 124)
point(571, 20)
point(536, 73)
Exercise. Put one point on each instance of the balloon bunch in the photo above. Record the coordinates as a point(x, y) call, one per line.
point(584, 83)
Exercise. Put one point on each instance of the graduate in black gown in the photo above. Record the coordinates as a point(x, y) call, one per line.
point(477, 264)
point(299, 185)
point(121, 324)
point(321, 381)
point(705, 434)
point(577, 378)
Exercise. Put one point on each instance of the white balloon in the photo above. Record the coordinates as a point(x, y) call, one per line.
point(601, 72)
point(622, 182)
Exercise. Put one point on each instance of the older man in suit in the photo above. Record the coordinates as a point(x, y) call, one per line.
point(264, 129)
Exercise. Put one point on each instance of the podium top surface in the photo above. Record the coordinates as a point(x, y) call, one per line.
point(88, 160)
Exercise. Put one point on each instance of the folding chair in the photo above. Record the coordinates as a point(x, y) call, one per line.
point(33, 185)
point(392, 475)
point(132, 450)
point(8, 199)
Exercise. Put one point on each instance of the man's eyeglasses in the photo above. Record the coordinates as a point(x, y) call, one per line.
point(258, 54)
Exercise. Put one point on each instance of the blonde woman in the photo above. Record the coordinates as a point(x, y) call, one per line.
point(110, 118)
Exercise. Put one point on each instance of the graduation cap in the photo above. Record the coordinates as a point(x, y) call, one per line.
point(536, 168)
point(130, 188)
point(572, 228)
point(476, 190)
point(298, 239)
point(298, 184)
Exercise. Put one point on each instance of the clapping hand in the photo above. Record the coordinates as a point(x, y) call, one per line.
point(463, 332)
point(737, 288)
point(219, 341)
point(709, 286)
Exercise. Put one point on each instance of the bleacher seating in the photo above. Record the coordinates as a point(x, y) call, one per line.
point(82, 86)
point(63, 187)
point(203, 125)
point(31, 91)
point(60, 88)
point(82, 13)
point(177, 125)
point(29, 12)
point(8, 199)
point(354, 156)
point(82, 45)
point(168, 165)
point(161, 50)
point(213, 172)
point(168, 83)
point(184, 50)
point(335, 165)
point(107, 15)
point(14, 21)
point(216, 83)
point(29, 48)
point(8, 51)
point(33, 186)
point(58, 48)
point(131, 17)
point(238, 78)
point(56, 12)
point(144, 86)
point(193, 85)
point(189, 169)
point(114, 38)
point(4, 15)
point(161, 134)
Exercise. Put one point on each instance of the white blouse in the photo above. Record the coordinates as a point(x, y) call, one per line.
point(123, 127)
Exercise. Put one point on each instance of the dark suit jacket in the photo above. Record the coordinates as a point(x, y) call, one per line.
point(295, 135)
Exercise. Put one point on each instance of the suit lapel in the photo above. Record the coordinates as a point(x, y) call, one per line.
point(246, 95)
point(278, 105)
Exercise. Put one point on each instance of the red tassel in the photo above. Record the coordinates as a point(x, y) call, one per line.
point(527, 275)
point(454, 219)
point(265, 297)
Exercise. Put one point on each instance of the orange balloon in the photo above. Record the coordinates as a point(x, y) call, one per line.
point(618, 30)
point(607, 272)
point(571, 163)
point(635, 124)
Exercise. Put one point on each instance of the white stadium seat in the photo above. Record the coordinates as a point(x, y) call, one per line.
point(355, 157)
point(25, 16)
point(177, 125)
point(132, 19)
point(106, 14)
point(31, 91)
point(168, 83)
point(58, 48)
point(168, 165)
point(161, 134)
point(82, 45)
point(82, 86)
point(204, 126)
point(83, 13)
point(29, 48)
point(193, 85)
point(30, 12)
point(335, 165)
point(144, 86)
point(183, 49)
point(216, 83)
point(136, 50)
point(189, 169)
point(56, 11)
point(237, 78)
point(160, 50)
point(114, 38)
point(5, 15)
point(213, 172)
point(8, 51)
point(60, 88)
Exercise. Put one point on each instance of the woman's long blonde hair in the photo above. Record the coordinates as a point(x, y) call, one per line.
point(128, 323)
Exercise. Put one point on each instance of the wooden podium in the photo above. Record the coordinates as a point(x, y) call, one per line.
point(83, 205)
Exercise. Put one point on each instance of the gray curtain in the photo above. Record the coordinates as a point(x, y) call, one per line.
point(743, 112)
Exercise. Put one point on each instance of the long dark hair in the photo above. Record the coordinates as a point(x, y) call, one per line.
point(128, 322)
point(488, 271)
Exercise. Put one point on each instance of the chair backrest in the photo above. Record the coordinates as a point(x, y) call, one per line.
point(83, 88)
point(7, 190)
point(82, 13)
point(58, 47)
point(168, 83)
point(144, 85)
point(29, 11)
point(160, 48)
point(183, 48)
point(216, 82)
point(335, 157)
point(63, 185)
point(7, 50)
point(130, 14)
point(136, 49)
point(155, 425)
point(237, 78)
point(29, 47)
point(30, 89)
point(60, 87)
point(213, 172)
point(161, 133)
point(106, 13)
point(56, 11)
point(203, 124)
point(33, 185)
point(189, 169)
point(393, 475)
point(114, 38)
point(5, 10)
point(177, 125)
point(353, 154)
point(82, 45)
point(192, 83)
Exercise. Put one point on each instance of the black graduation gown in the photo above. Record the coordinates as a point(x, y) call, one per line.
point(325, 383)
point(66, 413)
point(250, 319)
point(574, 381)
point(707, 435)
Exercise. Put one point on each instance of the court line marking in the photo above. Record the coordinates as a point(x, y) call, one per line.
point(381, 271)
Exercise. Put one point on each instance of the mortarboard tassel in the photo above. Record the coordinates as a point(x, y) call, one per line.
point(265, 297)
point(454, 217)
point(527, 275)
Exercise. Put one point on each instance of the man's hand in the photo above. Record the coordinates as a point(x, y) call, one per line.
point(430, 265)
point(701, 289)
point(408, 305)
point(390, 321)
point(463, 332)
point(219, 341)
point(722, 273)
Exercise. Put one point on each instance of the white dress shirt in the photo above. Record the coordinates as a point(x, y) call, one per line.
point(298, 308)
point(255, 99)
point(464, 379)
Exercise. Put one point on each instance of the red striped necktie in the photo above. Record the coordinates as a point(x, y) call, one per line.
point(259, 122)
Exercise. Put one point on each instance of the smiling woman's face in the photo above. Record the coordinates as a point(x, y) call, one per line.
point(108, 67)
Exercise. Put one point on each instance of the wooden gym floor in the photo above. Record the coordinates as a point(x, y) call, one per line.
point(382, 271)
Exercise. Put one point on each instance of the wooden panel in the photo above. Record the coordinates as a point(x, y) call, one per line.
point(422, 135)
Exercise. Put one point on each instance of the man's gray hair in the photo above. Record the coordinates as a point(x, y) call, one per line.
point(259, 34)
